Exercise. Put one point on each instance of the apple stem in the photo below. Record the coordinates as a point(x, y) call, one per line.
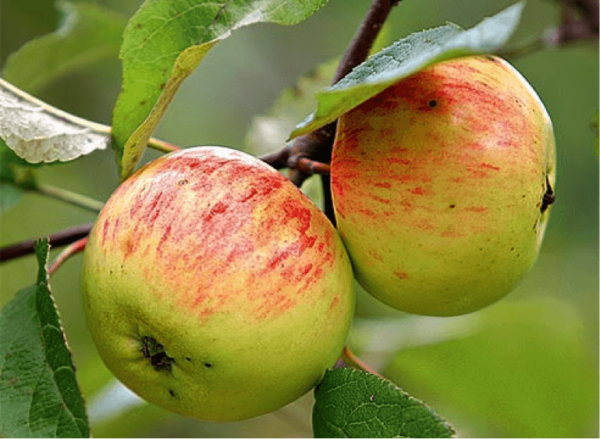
point(60, 239)
point(313, 167)
point(72, 249)
point(352, 360)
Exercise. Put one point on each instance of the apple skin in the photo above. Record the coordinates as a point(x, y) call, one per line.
point(438, 184)
point(214, 288)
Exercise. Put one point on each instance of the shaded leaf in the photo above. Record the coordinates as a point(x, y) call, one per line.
point(406, 57)
point(525, 371)
point(89, 33)
point(164, 42)
point(39, 395)
point(15, 176)
point(9, 196)
point(352, 403)
point(37, 132)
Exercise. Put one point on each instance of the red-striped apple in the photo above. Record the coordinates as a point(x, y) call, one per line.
point(441, 186)
point(214, 288)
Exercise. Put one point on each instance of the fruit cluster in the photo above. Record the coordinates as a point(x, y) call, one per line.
point(214, 288)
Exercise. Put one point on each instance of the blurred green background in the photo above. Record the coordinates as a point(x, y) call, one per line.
point(524, 367)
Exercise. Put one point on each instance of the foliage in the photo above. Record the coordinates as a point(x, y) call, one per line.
point(163, 43)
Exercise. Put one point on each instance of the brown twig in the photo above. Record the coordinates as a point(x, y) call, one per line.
point(310, 167)
point(317, 146)
point(59, 239)
point(71, 250)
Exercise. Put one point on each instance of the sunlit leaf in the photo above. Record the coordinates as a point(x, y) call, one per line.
point(406, 57)
point(163, 44)
point(37, 132)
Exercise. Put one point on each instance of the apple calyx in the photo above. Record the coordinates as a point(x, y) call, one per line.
point(155, 353)
point(548, 198)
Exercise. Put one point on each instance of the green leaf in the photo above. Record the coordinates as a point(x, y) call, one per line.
point(89, 33)
point(352, 403)
point(525, 371)
point(15, 176)
point(39, 395)
point(406, 57)
point(164, 42)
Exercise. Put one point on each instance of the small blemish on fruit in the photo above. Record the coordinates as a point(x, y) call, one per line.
point(155, 353)
point(188, 359)
point(182, 182)
point(171, 393)
point(432, 103)
point(452, 206)
point(512, 249)
point(208, 365)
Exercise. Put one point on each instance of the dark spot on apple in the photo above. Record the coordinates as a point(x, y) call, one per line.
point(172, 393)
point(452, 206)
point(189, 359)
point(432, 103)
point(512, 249)
point(548, 198)
point(208, 365)
point(155, 353)
point(183, 182)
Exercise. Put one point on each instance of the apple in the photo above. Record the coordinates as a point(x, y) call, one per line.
point(214, 288)
point(442, 185)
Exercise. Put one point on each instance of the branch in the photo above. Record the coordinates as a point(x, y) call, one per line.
point(317, 146)
point(59, 239)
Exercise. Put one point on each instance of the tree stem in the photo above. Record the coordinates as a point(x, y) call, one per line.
point(59, 239)
point(69, 197)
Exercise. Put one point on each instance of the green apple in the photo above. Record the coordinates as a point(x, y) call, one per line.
point(441, 186)
point(214, 288)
